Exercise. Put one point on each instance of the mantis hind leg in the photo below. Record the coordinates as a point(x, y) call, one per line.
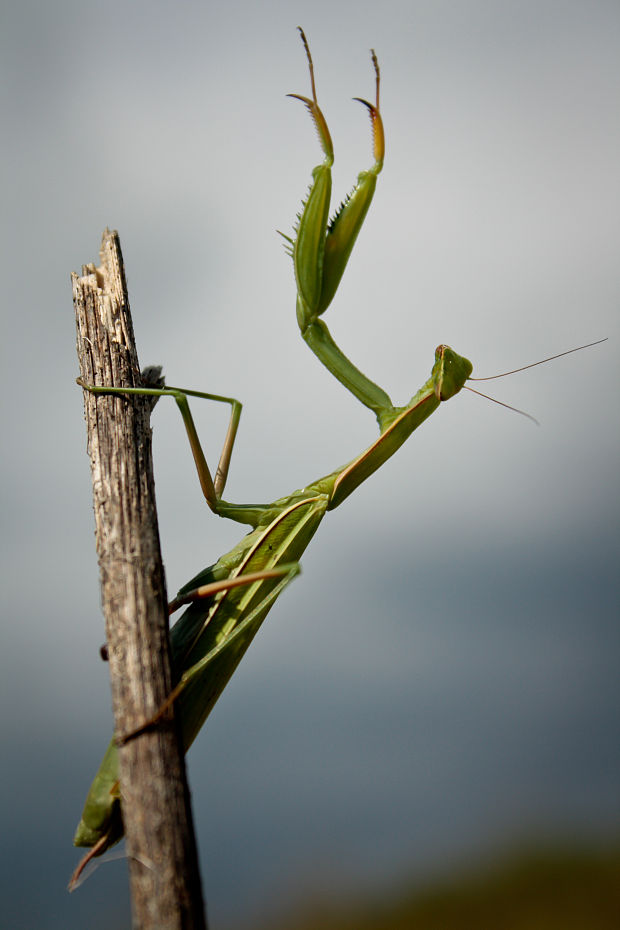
point(232, 643)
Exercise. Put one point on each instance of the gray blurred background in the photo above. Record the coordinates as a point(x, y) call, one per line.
point(443, 679)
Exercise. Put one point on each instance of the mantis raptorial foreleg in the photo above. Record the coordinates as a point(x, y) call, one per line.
point(322, 247)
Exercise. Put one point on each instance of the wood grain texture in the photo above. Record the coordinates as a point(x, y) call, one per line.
point(164, 876)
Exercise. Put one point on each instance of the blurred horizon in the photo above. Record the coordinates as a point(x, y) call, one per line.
point(530, 885)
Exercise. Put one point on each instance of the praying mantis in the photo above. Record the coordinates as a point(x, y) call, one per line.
point(228, 601)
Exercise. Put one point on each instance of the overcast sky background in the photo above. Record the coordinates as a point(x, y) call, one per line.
point(442, 680)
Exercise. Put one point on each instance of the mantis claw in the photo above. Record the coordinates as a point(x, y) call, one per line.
point(314, 108)
point(378, 135)
point(376, 121)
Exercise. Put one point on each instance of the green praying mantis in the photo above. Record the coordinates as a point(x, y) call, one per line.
point(228, 601)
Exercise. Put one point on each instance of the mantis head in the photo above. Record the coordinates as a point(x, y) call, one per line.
point(450, 372)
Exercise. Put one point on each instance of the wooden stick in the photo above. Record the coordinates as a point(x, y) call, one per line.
point(163, 866)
